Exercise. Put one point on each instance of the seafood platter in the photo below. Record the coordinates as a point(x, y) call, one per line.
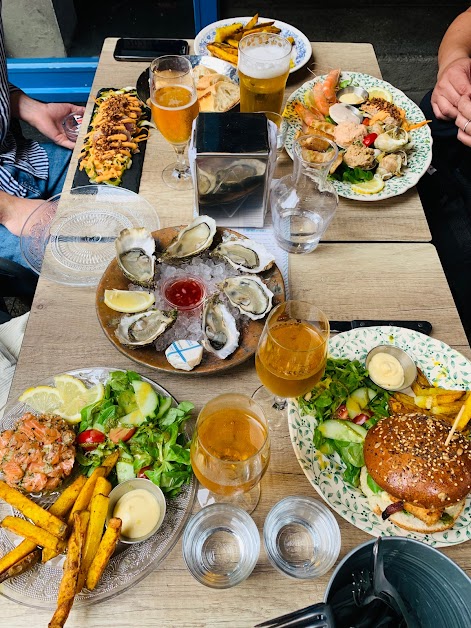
point(205, 292)
point(384, 141)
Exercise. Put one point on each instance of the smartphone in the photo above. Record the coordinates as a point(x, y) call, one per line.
point(147, 49)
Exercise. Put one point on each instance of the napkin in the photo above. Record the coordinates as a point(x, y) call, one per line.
point(11, 337)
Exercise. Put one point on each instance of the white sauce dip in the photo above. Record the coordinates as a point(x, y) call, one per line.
point(386, 370)
point(139, 512)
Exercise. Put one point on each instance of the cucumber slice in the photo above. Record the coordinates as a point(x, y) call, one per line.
point(124, 471)
point(133, 418)
point(342, 430)
point(165, 404)
point(353, 407)
point(360, 395)
point(371, 394)
point(359, 429)
point(146, 398)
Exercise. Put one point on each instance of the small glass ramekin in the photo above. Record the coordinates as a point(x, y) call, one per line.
point(221, 545)
point(173, 280)
point(302, 537)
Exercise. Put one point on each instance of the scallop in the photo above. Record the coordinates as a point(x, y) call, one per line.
point(139, 330)
point(245, 255)
point(249, 294)
point(393, 140)
point(193, 239)
point(220, 333)
point(135, 250)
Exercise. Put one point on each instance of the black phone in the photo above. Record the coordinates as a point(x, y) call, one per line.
point(147, 49)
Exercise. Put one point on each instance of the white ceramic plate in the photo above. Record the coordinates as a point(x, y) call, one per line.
point(418, 159)
point(301, 52)
point(443, 366)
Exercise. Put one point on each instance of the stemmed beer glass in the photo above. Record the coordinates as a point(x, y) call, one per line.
point(174, 107)
point(230, 451)
point(291, 355)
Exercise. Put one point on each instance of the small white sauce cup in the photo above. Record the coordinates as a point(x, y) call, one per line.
point(408, 365)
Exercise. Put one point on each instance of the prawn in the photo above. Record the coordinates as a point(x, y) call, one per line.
point(308, 116)
point(323, 94)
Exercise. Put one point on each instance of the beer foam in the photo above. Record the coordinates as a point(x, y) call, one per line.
point(263, 61)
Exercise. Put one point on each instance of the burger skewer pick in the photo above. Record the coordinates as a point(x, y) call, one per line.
point(454, 426)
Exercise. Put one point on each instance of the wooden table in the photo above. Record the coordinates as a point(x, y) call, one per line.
point(347, 280)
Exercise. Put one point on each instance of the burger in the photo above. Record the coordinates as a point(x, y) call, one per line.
point(411, 477)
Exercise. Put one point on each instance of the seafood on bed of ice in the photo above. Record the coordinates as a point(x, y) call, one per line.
point(140, 330)
point(135, 248)
point(192, 240)
point(220, 333)
point(249, 295)
point(245, 255)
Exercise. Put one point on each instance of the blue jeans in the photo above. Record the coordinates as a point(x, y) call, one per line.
point(59, 159)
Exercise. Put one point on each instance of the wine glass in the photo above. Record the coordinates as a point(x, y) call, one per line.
point(230, 451)
point(291, 355)
point(174, 107)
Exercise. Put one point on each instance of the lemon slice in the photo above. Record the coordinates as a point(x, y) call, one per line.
point(71, 406)
point(373, 186)
point(44, 399)
point(128, 301)
point(380, 92)
point(69, 386)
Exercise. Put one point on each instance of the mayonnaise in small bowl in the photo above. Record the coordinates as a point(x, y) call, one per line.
point(390, 367)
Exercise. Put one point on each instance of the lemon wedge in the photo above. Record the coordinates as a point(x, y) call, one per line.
point(72, 402)
point(69, 386)
point(44, 399)
point(373, 186)
point(128, 301)
point(380, 92)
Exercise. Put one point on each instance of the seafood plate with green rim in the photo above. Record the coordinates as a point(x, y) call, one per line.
point(443, 366)
point(419, 157)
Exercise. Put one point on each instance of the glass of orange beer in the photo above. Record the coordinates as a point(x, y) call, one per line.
point(230, 451)
point(174, 107)
point(263, 68)
point(291, 355)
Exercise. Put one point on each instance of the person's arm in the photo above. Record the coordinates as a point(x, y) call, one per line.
point(454, 68)
point(45, 117)
point(15, 210)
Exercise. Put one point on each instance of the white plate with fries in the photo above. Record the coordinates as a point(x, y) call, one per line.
point(301, 49)
point(38, 586)
point(443, 367)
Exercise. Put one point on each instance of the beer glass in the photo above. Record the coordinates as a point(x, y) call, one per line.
point(291, 355)
point(263, 67)
point(230, 451)
point(174, 107)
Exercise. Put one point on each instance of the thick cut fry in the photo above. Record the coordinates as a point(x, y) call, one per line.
point(266, 27)
point(466, 414)
point(28, 508)
point(22, 565)
point(68, 584)
point(251, 23)
point(16, 555)
point(33, 533)
point(66, 500)
point(98, 512)
point(449, 408)
point(224, 32)
point(422, 379)
point(232, 42)
point(85, 495)
point(224, 52)
point(109, 462)
point(104, 552)
point(102, 487)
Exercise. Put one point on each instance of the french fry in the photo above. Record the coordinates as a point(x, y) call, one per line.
point(224, 32)
point(104, 552)
point(16, 555)
point(85, 495)
point(66, 500)
point(422, 379)
point(68, 584)
point(29, 509)
point(224, 52)
point(109, 462)
point(449, 408)
point(98, 511)
point(102, 487)
point(466, 414)
point(33, 533)
point(22, 565)
point(251, 23)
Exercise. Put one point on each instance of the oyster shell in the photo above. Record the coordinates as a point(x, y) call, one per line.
point(392, 140)
point(193, 239)
point(135, 250)
point(390, 165)
point(220, 333)
point(246, 255)
point(139, 330)
point(249, 294)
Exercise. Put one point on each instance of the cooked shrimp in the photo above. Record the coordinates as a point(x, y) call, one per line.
point(329, 86)
point(323, 94)
point(308, 116)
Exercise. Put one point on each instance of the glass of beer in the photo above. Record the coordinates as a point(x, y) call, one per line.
point(230, 451)
point(263, 67)
point(174, 107)
point(291, 355)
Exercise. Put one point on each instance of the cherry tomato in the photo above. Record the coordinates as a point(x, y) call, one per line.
point(361, 418)
point(142, 472)
point(369, 139)
point(121, 433)
point(89, 439)
point(342, 412)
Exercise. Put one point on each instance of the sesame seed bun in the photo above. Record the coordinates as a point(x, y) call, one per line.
point(407, 457)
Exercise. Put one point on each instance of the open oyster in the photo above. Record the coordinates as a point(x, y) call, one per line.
point(249, 294)
point(392, 140)
point(139, 330)
point(220, 333)
point(135, 250)
point(193, 239)
point(246, 255)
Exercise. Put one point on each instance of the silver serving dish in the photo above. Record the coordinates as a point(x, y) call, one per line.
point(359, 92)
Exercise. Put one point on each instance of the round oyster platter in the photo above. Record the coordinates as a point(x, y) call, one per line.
point(243, 330)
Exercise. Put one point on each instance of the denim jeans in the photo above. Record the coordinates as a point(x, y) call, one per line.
point(59, 159)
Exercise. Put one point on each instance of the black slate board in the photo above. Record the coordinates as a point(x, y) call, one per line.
point(131, 179)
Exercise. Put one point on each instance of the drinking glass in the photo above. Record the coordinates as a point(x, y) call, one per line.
point(304, 203)
point(291, 355)
point(282, 128)
point(230, 451)
point(263, 69)
point(174, 107)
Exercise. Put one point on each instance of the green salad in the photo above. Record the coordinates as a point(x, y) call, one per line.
point(144, 426)
point(345, 403)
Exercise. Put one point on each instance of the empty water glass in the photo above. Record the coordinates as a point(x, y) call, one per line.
point(304, 203)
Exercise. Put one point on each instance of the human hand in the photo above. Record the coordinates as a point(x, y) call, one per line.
point(49, 122)
point(463, 119)
point(14, 211)
point(453, 82)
